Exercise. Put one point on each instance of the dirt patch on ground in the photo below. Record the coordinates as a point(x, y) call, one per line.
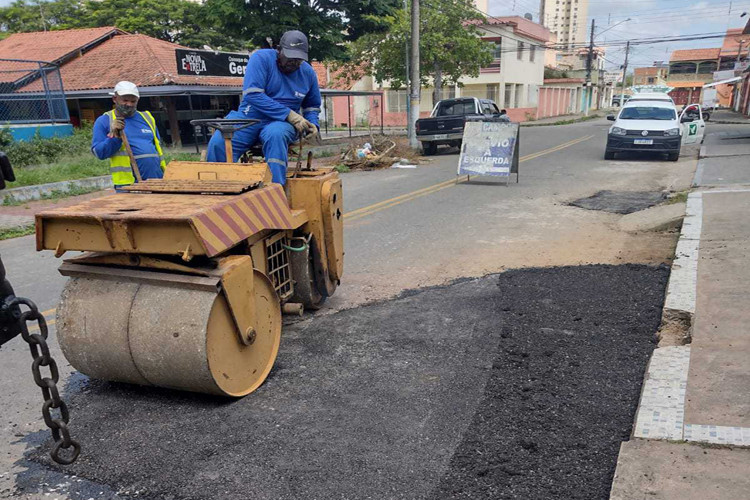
point(621, 202)
point(676, 328)
point(387, 150)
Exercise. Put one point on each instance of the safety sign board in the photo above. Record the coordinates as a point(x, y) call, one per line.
point(489, 148)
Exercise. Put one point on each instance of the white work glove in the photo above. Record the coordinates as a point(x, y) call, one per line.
point(117, 127)
point(313, 138)
point(302, 126)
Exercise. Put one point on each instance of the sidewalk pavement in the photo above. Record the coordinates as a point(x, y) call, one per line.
point(727, 116)
point(692, 432)
point(577, 116)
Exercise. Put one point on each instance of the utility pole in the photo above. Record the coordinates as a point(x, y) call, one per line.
point(739, 51)
point(415, 79)
point(408, 83)
point(624, 73)
point(589, 59)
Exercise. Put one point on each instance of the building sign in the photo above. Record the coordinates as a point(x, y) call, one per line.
point(612, 77)
point(209, 63)
point(489, 148)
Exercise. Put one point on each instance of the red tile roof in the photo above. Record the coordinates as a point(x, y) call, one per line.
point(51, 45)
point(329, 78)
point(695, 54)
point(731, 46)
point(141, 59)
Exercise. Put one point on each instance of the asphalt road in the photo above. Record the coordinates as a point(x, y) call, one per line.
point(405, 230)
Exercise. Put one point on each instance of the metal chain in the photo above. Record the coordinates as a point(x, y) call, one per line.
point(37, 342)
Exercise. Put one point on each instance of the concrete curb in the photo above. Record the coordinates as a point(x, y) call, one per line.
point(30, 193)
point(729, 122)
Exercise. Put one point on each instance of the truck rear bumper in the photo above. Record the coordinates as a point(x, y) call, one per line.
point(441, 138)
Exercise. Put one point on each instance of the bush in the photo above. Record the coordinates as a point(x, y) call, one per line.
point(6, 138)
point(40, 150)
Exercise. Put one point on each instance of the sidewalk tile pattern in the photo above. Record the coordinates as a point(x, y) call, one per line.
point(717, 434)
point(661, 412)
point(684, 276)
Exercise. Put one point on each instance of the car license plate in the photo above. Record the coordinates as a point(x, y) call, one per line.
point(643, 141)
point(439, 137)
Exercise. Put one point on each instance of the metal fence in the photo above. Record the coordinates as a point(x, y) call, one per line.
point(31, 92)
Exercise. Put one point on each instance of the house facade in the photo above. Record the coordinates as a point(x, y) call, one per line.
point(689, 70)
point(650, 76)
point(513, 79)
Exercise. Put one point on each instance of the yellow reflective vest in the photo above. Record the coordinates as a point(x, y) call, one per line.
point(119, 163)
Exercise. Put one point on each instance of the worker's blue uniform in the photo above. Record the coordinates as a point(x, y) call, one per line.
point(141, 138)
point(268, 95)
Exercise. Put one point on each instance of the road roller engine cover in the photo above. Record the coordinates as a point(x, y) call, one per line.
point(183, 278)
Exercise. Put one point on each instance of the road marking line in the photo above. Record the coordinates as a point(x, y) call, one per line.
point(35, 328)
point(398, 202)
point(392, 202)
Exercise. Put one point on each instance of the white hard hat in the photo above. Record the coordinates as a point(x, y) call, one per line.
point(126, 88)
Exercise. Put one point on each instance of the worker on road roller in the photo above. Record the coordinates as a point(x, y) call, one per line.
point(281, 90)
point(124, 132)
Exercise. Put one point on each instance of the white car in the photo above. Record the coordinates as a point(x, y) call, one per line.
point(654, 126)
point(651, 96)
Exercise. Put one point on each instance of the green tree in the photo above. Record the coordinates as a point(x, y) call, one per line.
point(185, 22)
point(178, 21)
point(256, 20)
point(450, 46)
point(367, 16)
point(22, 16)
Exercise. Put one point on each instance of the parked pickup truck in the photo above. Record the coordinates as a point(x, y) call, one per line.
point(446, 123)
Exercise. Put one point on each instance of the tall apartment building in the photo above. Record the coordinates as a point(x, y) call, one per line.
point(566, 19)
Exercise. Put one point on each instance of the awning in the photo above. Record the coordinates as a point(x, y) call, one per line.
point(728, 80)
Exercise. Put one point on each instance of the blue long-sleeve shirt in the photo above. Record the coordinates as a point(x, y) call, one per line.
point(269, 94)
point(141, 142)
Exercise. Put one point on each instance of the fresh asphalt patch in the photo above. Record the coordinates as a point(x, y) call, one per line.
point(519, 385)
point(620, 202)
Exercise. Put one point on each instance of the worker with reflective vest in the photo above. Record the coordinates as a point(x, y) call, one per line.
point(280, 90)
point(142, 135)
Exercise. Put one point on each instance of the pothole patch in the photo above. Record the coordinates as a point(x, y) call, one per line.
point(620, 202)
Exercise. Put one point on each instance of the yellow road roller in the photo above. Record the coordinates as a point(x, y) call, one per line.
point(183, 279)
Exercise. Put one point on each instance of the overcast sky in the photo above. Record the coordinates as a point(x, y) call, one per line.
point(649, 18)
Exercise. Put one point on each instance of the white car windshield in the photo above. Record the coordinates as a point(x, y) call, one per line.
point(647, 113)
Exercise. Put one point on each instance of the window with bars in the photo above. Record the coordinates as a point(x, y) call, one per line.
point(397, 101)
point(519, 52)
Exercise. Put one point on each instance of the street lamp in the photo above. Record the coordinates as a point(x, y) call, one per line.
point(613, 26)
